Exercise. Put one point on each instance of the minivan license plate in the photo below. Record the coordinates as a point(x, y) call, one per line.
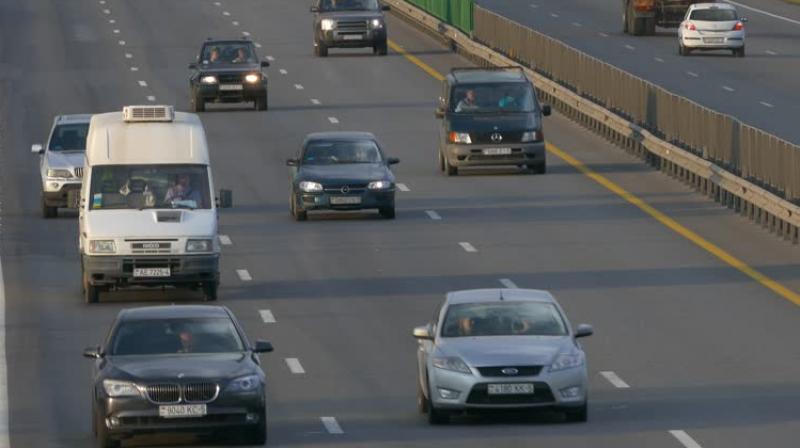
point(182, 410)
point(510, 389)
point(497, 151)
point(151, 272)
point(345, 200)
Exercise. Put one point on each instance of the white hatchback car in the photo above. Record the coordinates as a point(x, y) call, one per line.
point(711, 26)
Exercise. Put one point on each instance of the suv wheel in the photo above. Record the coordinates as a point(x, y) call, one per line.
point(381, 49)
point(321, 50)
point(47, 211)
point(262, 102)
point(210, 291)
point(449, 170)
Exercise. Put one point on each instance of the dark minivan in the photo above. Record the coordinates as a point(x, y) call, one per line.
point(490, 116)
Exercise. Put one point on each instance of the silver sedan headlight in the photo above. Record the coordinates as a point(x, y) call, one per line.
point(310, 187)
point(327, 24)
point(115, 388)
point(59, 173)
point(379, 185)
point(566, 361)
point(452, 363)
point(208, 79)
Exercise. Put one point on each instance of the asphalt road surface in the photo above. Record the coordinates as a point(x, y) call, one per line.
point(706, 351)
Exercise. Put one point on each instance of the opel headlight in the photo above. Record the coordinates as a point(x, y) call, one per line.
point(376, 23)
point(244, 384)
point(61, 174)
point(532, 136)
point(460, 137)
point(567, 361)
point(116, 388)
point(199, 246)
point(379, 185)
point(208, 79)
point(451, 363)
point(310, 187)
point(102, 246)
point(327, 24)
point(252, 78)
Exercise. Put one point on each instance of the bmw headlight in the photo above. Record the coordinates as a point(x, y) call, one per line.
point(199, 245)
point(310, 187)
point(379, 185)
point(58, 173)
point(376, 23)
point(532, 136)
point(252, 78)
point(460, 137)
point(102, 246)
point(244, 384)
point(567, 361)
point(452, 363)
point(115, 388)
point(327, 24)
point(208, 79)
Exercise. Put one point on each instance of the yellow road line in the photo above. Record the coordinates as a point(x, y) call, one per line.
point(675, 226)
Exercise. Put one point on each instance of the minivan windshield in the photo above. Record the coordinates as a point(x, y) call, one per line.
point(503, 319)
point(492, 98)
point(172, 336)
point(714, 15)
point(69, 137)
point(348, 5)
point(149, 186)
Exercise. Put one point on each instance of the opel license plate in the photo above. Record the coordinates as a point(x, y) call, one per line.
point(345, 200)
point(182, 410)
point(497, 151)
point(230, 87)
point(712, 40)
point(510, 389)
point(151, 272)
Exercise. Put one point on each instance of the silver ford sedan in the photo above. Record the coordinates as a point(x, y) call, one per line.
point(501, 349)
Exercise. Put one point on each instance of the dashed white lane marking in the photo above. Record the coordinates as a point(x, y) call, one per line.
point(243, 275)
point(112, 21)
point(102, 2)
point(283, 71)
point(506, 282)
point(774, 16)
point(771, 53)
point(151, 98)
point(295, 366)
point(333, 120)
point(298, 86)
point(331, 425)
point(603, 34)
point(576, 24)
point(106, 11)
point(693, 74)
point(134, 69)
point(658, 60)
point(258, 45)
point(403, 187)
point(225, 240)
point(270, 58)
point(533, 5)
point(766, 104)
point(615, 380)
point(4, 437)
point(217, 4)
point(128, 56)
point(467, 247)
point(267, 316)
point(245, 33)
point(554, 15)
point(116, 31)
point(315, 101)
point(143, 83)
point(235, 23)
point(685, 439)
point(433, 215)
point(729, 89)
point(122, 42)
point(630, 47)
point(225, 13)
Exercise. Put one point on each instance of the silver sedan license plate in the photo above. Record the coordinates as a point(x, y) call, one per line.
point(345, 200)
point(510, 389)
point(182, 410)
point(230, 87)
point(151, 272)
point(497, 151)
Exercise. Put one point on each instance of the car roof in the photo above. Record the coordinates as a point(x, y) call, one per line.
point(173, 312)
point(341, 135)
point(73, 118)
point(227, 41)
point(712, 6)
point(499, 295)
point(469, 76)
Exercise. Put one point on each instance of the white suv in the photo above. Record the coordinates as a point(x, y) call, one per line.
point(61, 162)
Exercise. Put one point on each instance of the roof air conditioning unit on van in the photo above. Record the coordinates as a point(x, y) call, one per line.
point(133, 114)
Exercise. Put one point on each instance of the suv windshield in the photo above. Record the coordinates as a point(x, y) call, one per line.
point(492, 98)
point(228, 53)
point(714, 15)
point(348, 5)
point(321, 152)
point(170, 336)
point(149, 186)
point(503, 319)
point(69, 137)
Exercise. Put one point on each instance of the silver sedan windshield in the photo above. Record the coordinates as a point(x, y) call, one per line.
point(503, 319)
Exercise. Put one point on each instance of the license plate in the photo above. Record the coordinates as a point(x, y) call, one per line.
point(151, 272)
point(510, 389)
point(352, 37)
point(230, 87)
point(182, 410)
point(713, 40)
point(345, 200)
point(497, 151)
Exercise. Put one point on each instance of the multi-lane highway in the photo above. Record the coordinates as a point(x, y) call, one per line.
point(705, 351)
point(762, 89)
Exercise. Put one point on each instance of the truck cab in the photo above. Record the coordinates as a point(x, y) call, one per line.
point(148, 214)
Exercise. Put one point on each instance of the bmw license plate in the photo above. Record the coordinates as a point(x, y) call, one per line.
point(510, 389)
point(345, 200)
point(497, 151)
point(713, 40)
point(352, 37)
point(182, 410)
point(151, 272)
point(230, 87)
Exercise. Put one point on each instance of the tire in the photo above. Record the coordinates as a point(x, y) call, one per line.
point(387, 212)
point(103, 438)
point(261, 102)
point(441, 162)
point(578, 415)
point(47, 211)
point(381, 49)
point(321, 50)
point(681, 49)
point(450, 170)
point(258, 435)
point(210, 290)
point(422, 401)
point(437, 417)
point(739, 52)
point(91, 293)
point(639, 26)
point(625, 20)
point(650, 26)
point(540, 168)
point(198, 103)
point(298, 215)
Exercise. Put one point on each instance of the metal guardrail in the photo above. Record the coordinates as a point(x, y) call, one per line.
point(603, 113)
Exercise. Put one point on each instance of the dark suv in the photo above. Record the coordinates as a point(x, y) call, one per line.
point(349, 24)
point(228, 71)
point(490, 116)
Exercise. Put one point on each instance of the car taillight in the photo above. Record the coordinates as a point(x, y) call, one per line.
point(739, 26)
point(690, 26)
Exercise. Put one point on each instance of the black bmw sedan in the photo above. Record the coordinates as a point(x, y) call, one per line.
point(341, 171)
point(178, 369)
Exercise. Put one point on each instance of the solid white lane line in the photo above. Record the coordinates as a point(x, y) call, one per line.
point(554, 15)
point(692, 74)
point(283, 71)
point(771, 53)
point(403, 187)
point(774, 16)
point(151, 98)
point(766, 104)
point(267, 317)
point(658, 59)
point(333, 120)
point(467, 247)
point(729, 89)
point(615, 380)
point(315, 101)
point(134, 69)
point(225, 240)
point(243, 275)
point(128, 56)
point(245, 33)
point(685, 439)
point(331, 425)
point(298, 86)
point(4, 433)
point(603, 34)
point(433, 215)
point(295, 366)
point(507, 283)
point(143, 83)
point(630, 47)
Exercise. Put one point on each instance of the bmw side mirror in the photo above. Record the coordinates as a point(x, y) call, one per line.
point(423, 333)
point(584, 330)
point(292, 162)
point(225, 199)
point(546, 110)
point(37, 149)
point(439, 112)
point(314, 9)
point(262, 347)
point(265, 63)
point(386, 8)
point(392, 161)
point(193, 66)
point(92, 352)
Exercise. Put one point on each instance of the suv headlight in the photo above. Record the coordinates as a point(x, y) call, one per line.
point(244, 384)
point(102, 246)
point(208, 79)
point(327, 24)
point(567, 361)
point(376, 23)
point(379, 185)
point(58, 173)
point(252, 78)
point(310, 187)
point(199, 245)
point(115, 388)
point(452, 363)
point(532, 136)
point(460, 137)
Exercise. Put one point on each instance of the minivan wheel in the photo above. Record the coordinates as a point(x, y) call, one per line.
point(91, 293)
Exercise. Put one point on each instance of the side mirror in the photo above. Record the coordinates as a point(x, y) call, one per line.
point(386, 8)
point(92, 352)
point(583, 330)
point(423, 333)
point(193, 66)
point(439, 112)
point(546, 110)
point(292, 162)
point(744, 20)
point(314, 9)
point(392, 161)
point(262, 347)
point(225, 199)
point(37, 149)
point(265, 63)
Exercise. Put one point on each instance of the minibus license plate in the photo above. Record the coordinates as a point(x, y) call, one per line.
point(151, 272)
